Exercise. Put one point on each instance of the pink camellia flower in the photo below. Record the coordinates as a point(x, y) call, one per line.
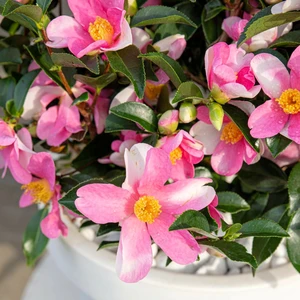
point(228, 73)
point(281, 114)
point(234, 26)
point(285, 6)
point(146, 208)
point(42, 78)
point(128, 138)
point(15, 152)
point(183, 152)
point(99, 26)
point(228, 146)
point(43, 189)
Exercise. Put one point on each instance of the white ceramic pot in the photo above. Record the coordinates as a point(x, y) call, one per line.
point(94, 273)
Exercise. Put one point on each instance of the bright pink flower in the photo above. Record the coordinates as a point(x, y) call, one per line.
point(146, 208)
point(15, 152)
point(43, 189)
point(213, 212)
point(183, 152)
point(98, 26)
point(228, 146)
point(128, 138)
point(281, 114)
point(228, 72)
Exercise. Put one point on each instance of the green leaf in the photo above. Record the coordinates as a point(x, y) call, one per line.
point(137, 112)
point(68, 200)
point(151, 140)
point(263, 248)
point(188, 91)
point(216, 115)
point(211, 28)
point(107, 228)
point(213, 8)
point(194, 221)
point(10, 56)
point(293, 243)
point(22, 88)
point(294, 188)
point(127, 62)
point(291, 39)
point(264, 176)
point(70, 61)
point(232, 232)
point(232, 250)
point(7, 87)
point(231, 202)
point(82, 98)
point(277, 144)
point(265, 20)
point(240, 118)
point(108, 244)
point(34, 241)
point(152, 15)
point(10, 107)
point(44, 4)
point(116, 124)
point(171, 67)
point(97, 82)
point(262, 228)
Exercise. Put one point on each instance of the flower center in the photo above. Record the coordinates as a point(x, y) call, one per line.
point(101, 29)
point(231, 134)
point(289, 101)
point(175, 155)
point(153, 91)
point(147, 209)
point(39, 190)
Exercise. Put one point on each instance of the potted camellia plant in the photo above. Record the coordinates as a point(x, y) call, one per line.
point(165, 135)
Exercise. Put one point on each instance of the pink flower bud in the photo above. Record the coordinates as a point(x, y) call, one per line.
point(168, 122)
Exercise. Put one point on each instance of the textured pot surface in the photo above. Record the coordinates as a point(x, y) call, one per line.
point(94, 273)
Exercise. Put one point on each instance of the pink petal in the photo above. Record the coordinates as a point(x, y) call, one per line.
point(227, 159)
point(179, 245)
point(101, 113)
point(203, 114)
point(7, 135)
point(182, 170)
point(214, 213)
point(224, 74)
point(294, 128)
point(290, 5)
point(295, 80)
point(25, 138)
point(140, 38)
point(250, 154)
point(271, 73)
point(25, 200)
point(267, 120)
point(234, 26)
point(236, 90)
point(126, 95)
point(134, 257)
point(46, 123)
point(104, 203)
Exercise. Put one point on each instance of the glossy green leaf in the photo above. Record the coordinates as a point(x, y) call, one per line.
point(265, 20)
point(116, 124)
point(294, 188)
point(22, 88)
point(240, 118)
point(107, 228)
point(213, 8)
point(188, 91)
point(194, 221)
point(7, 87)
point(277, 144)
point(44, 4)
point(10, 108)
point(137, 112)
point(291, 39)
point(232, 250)
point(82, 98)
point(97, 82)
point(231, 233)
point(108, 244)
point(10, 56)
point(211, 28)
point(171, 67)
point(231, 202)
point(34, 241)
point(127, 62)
point(152, 15)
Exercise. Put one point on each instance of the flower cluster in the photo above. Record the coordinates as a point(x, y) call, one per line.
point(148, 121)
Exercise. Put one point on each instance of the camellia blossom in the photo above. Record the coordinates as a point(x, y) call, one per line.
point(184, 151)
point(98, 26)
point(15, 152)
point(228, 73)
point(43, 189)
point(146, 208)
point(228, 147)
point(281, 114)
point(285, 6)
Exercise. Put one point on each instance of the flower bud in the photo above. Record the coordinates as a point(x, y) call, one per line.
point(187, 112)
point(168, 122)
point(131, 7)
point(216, 115)
point(218, 95)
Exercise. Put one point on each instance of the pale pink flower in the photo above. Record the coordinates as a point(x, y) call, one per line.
point(285, 6)
point(228, 72)
point(228, 147)
point(281, 114)
point(42, 78)
point(15, 152)
point(98, 26)
point(183, 151)
point(145, 207)
point(43, 189)
point(127, 139)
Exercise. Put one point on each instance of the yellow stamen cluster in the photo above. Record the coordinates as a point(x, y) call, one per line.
point(147, 209)
point(175, 155)
point(101, 29)
point(231, 134)
point(289, 101)
point(39, 190)
point(153, 91)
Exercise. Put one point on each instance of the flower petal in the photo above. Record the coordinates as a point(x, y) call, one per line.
point(101, 113)
point(236, 90)
point(294, 128)
point(25, 200)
